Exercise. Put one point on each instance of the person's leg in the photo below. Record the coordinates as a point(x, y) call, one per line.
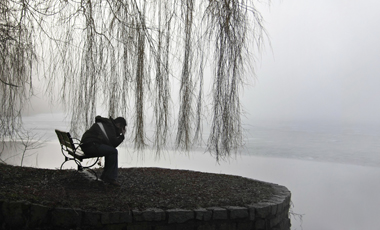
point(111, 162)
point(111, 159)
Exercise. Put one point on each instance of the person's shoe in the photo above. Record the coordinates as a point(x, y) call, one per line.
point(110, 181)
point(113, 183)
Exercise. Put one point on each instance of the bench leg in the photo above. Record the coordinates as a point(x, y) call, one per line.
point(80, 167)
point(62, 165)
point(66, 160)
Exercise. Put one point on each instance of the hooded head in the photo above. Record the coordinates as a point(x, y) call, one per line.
point(121, 121)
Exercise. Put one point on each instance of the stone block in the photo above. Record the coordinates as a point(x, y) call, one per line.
point(218, 213)
point(280, 217)
point(285, 224)
point(1, 211)
point(207, 226)
point(237, 212)
point(126, 217)
point(179, 215)
point(92, 219)
point(251, 213)
point(140, 226)
point(66, 217)
point(115, 227)
point(186, 226)
point(275, 220)
point(203, 214)
point(137, 215)
point(109, 218)
point(262, 210)
point(247, 225)
point(154, 214)
point(39, 215)
point(227, 226)
point(15, 213)
point(274, 207)
point(287, 207)
point(283, 192)
point(116, 218)
point(260, 224)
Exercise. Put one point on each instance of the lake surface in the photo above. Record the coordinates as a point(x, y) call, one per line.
point(333, 171)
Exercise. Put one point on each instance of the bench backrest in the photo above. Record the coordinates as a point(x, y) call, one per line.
point(66, 142)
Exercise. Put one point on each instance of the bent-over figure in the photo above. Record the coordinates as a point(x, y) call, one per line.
point(101, 140)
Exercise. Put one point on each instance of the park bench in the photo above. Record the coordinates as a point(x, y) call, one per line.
point(71, 150)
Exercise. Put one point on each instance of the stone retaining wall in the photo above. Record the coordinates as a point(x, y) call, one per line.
point(273, 214)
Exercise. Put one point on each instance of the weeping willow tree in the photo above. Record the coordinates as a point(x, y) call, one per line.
point(16, 62)
point(132, 57)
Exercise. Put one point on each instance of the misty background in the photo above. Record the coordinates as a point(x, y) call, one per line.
point(311, 114)
point(316, 82)
point(322, 64)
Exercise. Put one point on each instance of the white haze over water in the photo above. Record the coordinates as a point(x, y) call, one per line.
point(322, 142)
point(332, 172)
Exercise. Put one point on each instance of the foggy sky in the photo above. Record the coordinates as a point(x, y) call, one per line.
point(324, 63)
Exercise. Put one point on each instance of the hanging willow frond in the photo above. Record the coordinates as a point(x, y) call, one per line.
point(185, 115)
point(17, 58)
point(162, 83)
point(128, 58)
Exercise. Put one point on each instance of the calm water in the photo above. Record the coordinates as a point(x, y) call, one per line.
point(331, 170)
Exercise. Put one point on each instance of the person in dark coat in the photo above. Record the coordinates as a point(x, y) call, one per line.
point(101, 140)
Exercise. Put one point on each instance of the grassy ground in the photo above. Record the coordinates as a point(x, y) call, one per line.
point(141, 188)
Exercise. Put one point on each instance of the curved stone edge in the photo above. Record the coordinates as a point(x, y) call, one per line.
point(268, 214)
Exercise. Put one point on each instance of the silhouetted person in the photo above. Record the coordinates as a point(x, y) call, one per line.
point(101, 140)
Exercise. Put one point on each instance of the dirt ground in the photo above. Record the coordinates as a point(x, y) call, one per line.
point(140, 188)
